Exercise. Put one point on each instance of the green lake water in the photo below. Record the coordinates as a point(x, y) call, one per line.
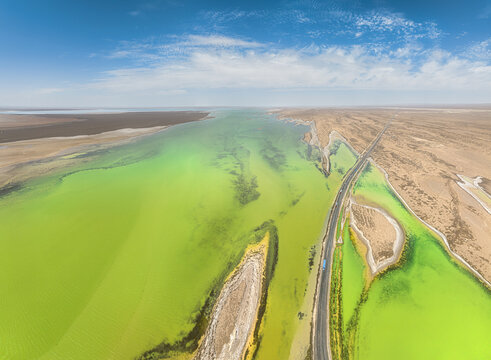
point(107, 259)
point(426, 307)
point(352, 282)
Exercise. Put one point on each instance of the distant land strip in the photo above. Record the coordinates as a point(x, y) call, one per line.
point(64, 125)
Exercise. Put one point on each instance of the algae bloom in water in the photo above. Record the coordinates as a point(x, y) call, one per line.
point(124, 253)
point(427, 306)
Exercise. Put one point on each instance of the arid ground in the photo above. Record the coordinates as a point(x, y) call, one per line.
point(48, 142)
point(382, 235)
point(422, 152)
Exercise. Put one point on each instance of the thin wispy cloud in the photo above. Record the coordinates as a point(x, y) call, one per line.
point(480, 50)
point(386, 22)
point(152, 50)
point(380, 22)
point(217, 41)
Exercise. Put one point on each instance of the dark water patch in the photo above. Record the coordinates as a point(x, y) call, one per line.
point(10, 188)
point(312, 253)
point(335, 147)
point(215, 232)
point(119, 162)
point(319, 167)
point(297, 199)
point(273, 155)
point(234, 159)
point(246, 189)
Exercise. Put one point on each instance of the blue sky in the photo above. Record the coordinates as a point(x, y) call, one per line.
point(258, 53)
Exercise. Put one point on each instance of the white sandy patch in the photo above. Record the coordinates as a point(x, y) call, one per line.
point(472, 187)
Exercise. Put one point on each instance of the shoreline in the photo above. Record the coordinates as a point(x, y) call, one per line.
point(30, 127)
point(235, 314)
point(376, 267)
point(456, 256)
point(28, 159)
point(24, 159)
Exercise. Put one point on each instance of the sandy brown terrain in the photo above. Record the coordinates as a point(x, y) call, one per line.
point(357, 126)
point(380, 233)
point(422, 152)
point(235, 312)
point(37, 154)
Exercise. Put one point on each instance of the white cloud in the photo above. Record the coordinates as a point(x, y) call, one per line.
point(198, 70)
point(217, 41)
point(225, 63)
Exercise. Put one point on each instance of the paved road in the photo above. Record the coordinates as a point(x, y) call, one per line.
point(320, 338)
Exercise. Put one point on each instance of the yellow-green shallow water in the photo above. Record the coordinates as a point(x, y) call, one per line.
point(110, 258)
point(425, 307)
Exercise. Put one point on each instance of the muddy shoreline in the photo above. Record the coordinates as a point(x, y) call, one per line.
point(29, 153)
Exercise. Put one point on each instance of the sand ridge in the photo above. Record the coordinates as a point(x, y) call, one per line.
point(379, 232)
point(235, 311)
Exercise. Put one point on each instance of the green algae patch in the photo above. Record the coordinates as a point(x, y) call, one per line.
point(335, 304)
point(353, 269)
point(298, 231)
point(123, 255)
point(348, 288)
point(427, 306)
point(341, 157)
